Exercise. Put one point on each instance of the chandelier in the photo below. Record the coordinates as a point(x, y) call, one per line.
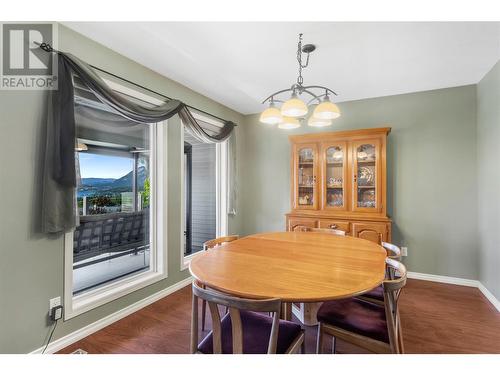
point(294, 110)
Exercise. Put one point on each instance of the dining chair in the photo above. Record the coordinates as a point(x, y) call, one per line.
point(376, 295)
point(210, 244)
point(337, 232)
point(368, 325)
point(244, 329)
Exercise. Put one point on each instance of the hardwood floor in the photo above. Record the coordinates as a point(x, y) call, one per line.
point(436, 318)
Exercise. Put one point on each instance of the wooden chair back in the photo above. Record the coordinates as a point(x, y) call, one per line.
point(393, 251)
point(210, 244)
point(234, 304)
point(336, 232)
point(392, 291)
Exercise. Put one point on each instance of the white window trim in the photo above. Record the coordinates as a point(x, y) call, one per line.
point(221, 189)
point(76, 305)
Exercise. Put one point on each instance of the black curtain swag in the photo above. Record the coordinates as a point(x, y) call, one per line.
point(59, 203)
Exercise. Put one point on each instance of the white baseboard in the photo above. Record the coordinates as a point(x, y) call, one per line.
point(489, 296)
point(443, 279)
point(107, 320)
point(457, 281)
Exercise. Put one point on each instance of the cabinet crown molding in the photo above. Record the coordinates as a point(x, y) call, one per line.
point(311, 137)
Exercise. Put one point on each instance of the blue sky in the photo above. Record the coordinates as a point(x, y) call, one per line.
point(103, 166)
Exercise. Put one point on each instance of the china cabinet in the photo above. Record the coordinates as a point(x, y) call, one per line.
point(339, 182)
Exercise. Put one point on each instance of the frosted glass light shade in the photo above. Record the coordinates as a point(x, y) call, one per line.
point(318, 122)
point(271, 116)
point(294, 107)
point(289, 123)
point(326, 110)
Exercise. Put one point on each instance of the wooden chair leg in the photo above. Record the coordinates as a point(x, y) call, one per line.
point(401, 346)
point(286, 311)
point(400, 338)
point(203, 311)
point(203, 314)
point(334, 345)
point(319, 340)
point(194, 325)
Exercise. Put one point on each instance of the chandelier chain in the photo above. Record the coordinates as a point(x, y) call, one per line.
point(300, 80)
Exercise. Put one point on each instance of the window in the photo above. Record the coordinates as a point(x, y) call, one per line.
point(205, 190)
point(113, 239)
point(118, 246)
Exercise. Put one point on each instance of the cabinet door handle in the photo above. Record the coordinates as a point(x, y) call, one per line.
point(333, 226)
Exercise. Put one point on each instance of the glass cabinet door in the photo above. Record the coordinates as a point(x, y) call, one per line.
point(334, 176)
point(366, 175)
point(305, 164)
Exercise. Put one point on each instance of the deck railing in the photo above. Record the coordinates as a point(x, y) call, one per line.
point(115, 234)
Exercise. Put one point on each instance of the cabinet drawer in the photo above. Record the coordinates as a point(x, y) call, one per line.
point(375, 232)
point(294, 222)
point(335, 224)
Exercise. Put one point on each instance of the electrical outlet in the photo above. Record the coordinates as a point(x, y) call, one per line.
point(404, 251)
point(53, 302)
point(56, 313)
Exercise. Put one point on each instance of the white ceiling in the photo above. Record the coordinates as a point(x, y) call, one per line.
point(240, 64)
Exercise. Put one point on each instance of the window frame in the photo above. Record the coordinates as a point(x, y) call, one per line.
point(221, 189)
point(89, 300)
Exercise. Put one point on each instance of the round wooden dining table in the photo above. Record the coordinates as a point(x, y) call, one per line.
point(292, 266)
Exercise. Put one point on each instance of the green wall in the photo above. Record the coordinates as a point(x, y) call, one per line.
point(432, 192)
point(31, 265)
point(488, 174)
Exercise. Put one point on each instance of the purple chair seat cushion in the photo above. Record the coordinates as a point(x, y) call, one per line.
point(256, 334)
point(377, 293)
point(357, 316)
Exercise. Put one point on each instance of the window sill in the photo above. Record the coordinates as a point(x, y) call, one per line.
point(95, 298)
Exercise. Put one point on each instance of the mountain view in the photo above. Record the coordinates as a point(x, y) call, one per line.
point(110, 186)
